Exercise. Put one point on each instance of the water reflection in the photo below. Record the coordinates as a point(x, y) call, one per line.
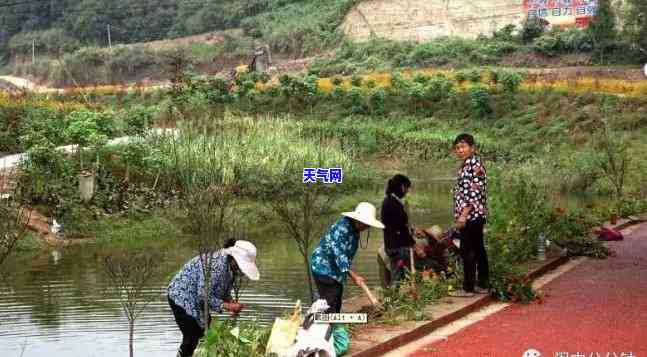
point(56, 256)
point(54, 303)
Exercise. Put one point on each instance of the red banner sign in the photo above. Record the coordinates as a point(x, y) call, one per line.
point(562, 12)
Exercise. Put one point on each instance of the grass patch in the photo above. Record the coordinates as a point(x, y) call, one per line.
point(28, 243)
point(149, 230)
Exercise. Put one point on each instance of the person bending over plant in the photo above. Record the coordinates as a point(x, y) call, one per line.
point(332, 259)
point(185, 290)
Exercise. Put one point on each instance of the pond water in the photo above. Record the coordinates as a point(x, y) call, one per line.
point(53, 304)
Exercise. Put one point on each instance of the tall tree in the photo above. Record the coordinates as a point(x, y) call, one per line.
point(603, 29)
point(636, 25)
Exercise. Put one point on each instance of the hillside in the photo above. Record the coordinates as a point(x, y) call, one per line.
point(52, 28)
point(423, 20)
point(402, 33)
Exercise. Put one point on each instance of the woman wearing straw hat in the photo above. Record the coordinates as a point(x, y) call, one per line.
point(431, 251)
point(332, 259)
point(185, 290)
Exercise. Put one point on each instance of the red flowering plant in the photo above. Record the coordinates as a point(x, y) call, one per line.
point(408, 299)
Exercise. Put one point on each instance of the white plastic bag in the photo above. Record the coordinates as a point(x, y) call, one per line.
point(284, 332)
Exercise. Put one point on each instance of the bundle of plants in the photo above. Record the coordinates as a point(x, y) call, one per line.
point(572, 231)
point(228, 338)
point(586, 247)
point(509, 282)
point(411, 296)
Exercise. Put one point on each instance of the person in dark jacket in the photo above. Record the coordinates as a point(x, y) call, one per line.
point(398, 236)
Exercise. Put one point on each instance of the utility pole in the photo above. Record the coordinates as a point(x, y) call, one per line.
point(109, 40)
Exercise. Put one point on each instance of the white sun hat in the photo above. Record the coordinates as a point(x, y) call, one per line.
point(365, 213)
point(244, 253)
point(435, 231)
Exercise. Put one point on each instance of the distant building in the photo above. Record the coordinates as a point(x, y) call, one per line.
point(567, 13)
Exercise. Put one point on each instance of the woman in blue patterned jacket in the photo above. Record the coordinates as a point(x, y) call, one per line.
point(331, 260)
point(185, 290)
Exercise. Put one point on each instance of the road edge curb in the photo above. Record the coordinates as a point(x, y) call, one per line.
point(423, 330)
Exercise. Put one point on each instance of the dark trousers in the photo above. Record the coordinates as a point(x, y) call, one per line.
point(474, 256)
point(191, 331)
point(330, 290)
point(400, 261)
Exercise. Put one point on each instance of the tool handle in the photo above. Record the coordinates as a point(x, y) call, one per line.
point(372, 298)
point(413, 266)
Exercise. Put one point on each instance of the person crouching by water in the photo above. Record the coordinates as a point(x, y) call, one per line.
point(332, 259)
point(398, 237)
point(186, 289)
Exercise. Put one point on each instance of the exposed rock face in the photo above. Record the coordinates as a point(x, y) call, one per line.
point(420, 20)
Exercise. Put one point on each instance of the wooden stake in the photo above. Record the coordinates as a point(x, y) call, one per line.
point(413, 266)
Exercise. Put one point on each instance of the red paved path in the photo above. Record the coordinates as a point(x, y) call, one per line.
point(598, 307)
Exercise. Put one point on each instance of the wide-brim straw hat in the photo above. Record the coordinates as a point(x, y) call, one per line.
point(365, 213)
point(244, 253)
point(435, 232)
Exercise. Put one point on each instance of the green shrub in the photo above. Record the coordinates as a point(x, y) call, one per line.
point(505, 34)
point(377, 101)
point(510, 80)
point(356, 80)
point(549, 44)
point(421, 79)
point(86, 129)
point(474, 75)
point(479, 98)
point(139, 119)
point(413, 295)
point(461, 77)
point(576, 40)
point(43, 124)
point(48, 178)
point(560, 41)
point(300, 88)
point(508, 281)
point(440, 89)
point(494, 75)
point(356, 99)
point(215, 89)
point(399, 82)
point(533, 28)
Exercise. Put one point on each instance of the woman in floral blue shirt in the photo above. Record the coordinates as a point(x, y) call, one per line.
point(332, 259)
point(470, 214)
point(186, 290)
